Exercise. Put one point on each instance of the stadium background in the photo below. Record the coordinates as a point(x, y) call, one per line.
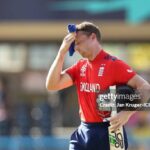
point(31, 32)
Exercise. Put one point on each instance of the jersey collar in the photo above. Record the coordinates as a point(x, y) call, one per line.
point(99, 56)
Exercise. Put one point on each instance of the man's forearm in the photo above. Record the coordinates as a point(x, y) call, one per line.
point(144, 91)
point(54, 73)
point(142, 87)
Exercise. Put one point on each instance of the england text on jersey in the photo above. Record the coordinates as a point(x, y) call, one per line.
point(89, 87)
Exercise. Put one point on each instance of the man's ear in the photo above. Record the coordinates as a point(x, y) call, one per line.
point(93, 36)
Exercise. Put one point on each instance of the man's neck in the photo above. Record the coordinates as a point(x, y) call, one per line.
point(95, 52)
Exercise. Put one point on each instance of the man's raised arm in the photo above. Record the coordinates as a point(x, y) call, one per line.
point(56, 78)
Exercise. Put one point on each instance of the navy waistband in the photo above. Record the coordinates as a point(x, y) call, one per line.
point(95, 124)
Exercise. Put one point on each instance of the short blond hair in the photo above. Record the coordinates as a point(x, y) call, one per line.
point(89, 28)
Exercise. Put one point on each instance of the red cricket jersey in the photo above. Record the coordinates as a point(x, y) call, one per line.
point(97, 75)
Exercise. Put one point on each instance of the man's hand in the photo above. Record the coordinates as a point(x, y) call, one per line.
point(67, 42)
point(120, 119)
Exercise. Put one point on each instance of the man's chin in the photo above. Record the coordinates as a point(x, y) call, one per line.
point(84, 55)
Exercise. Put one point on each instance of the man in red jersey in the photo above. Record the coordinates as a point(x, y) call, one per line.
point(94, 73)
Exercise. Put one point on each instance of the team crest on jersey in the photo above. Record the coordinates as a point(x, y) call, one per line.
point(101, 70)
point(83, 70)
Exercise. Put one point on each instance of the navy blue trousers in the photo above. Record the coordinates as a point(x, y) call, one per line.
point(92, 136)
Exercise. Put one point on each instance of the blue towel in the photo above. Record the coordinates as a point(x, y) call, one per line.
point(71, 28)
